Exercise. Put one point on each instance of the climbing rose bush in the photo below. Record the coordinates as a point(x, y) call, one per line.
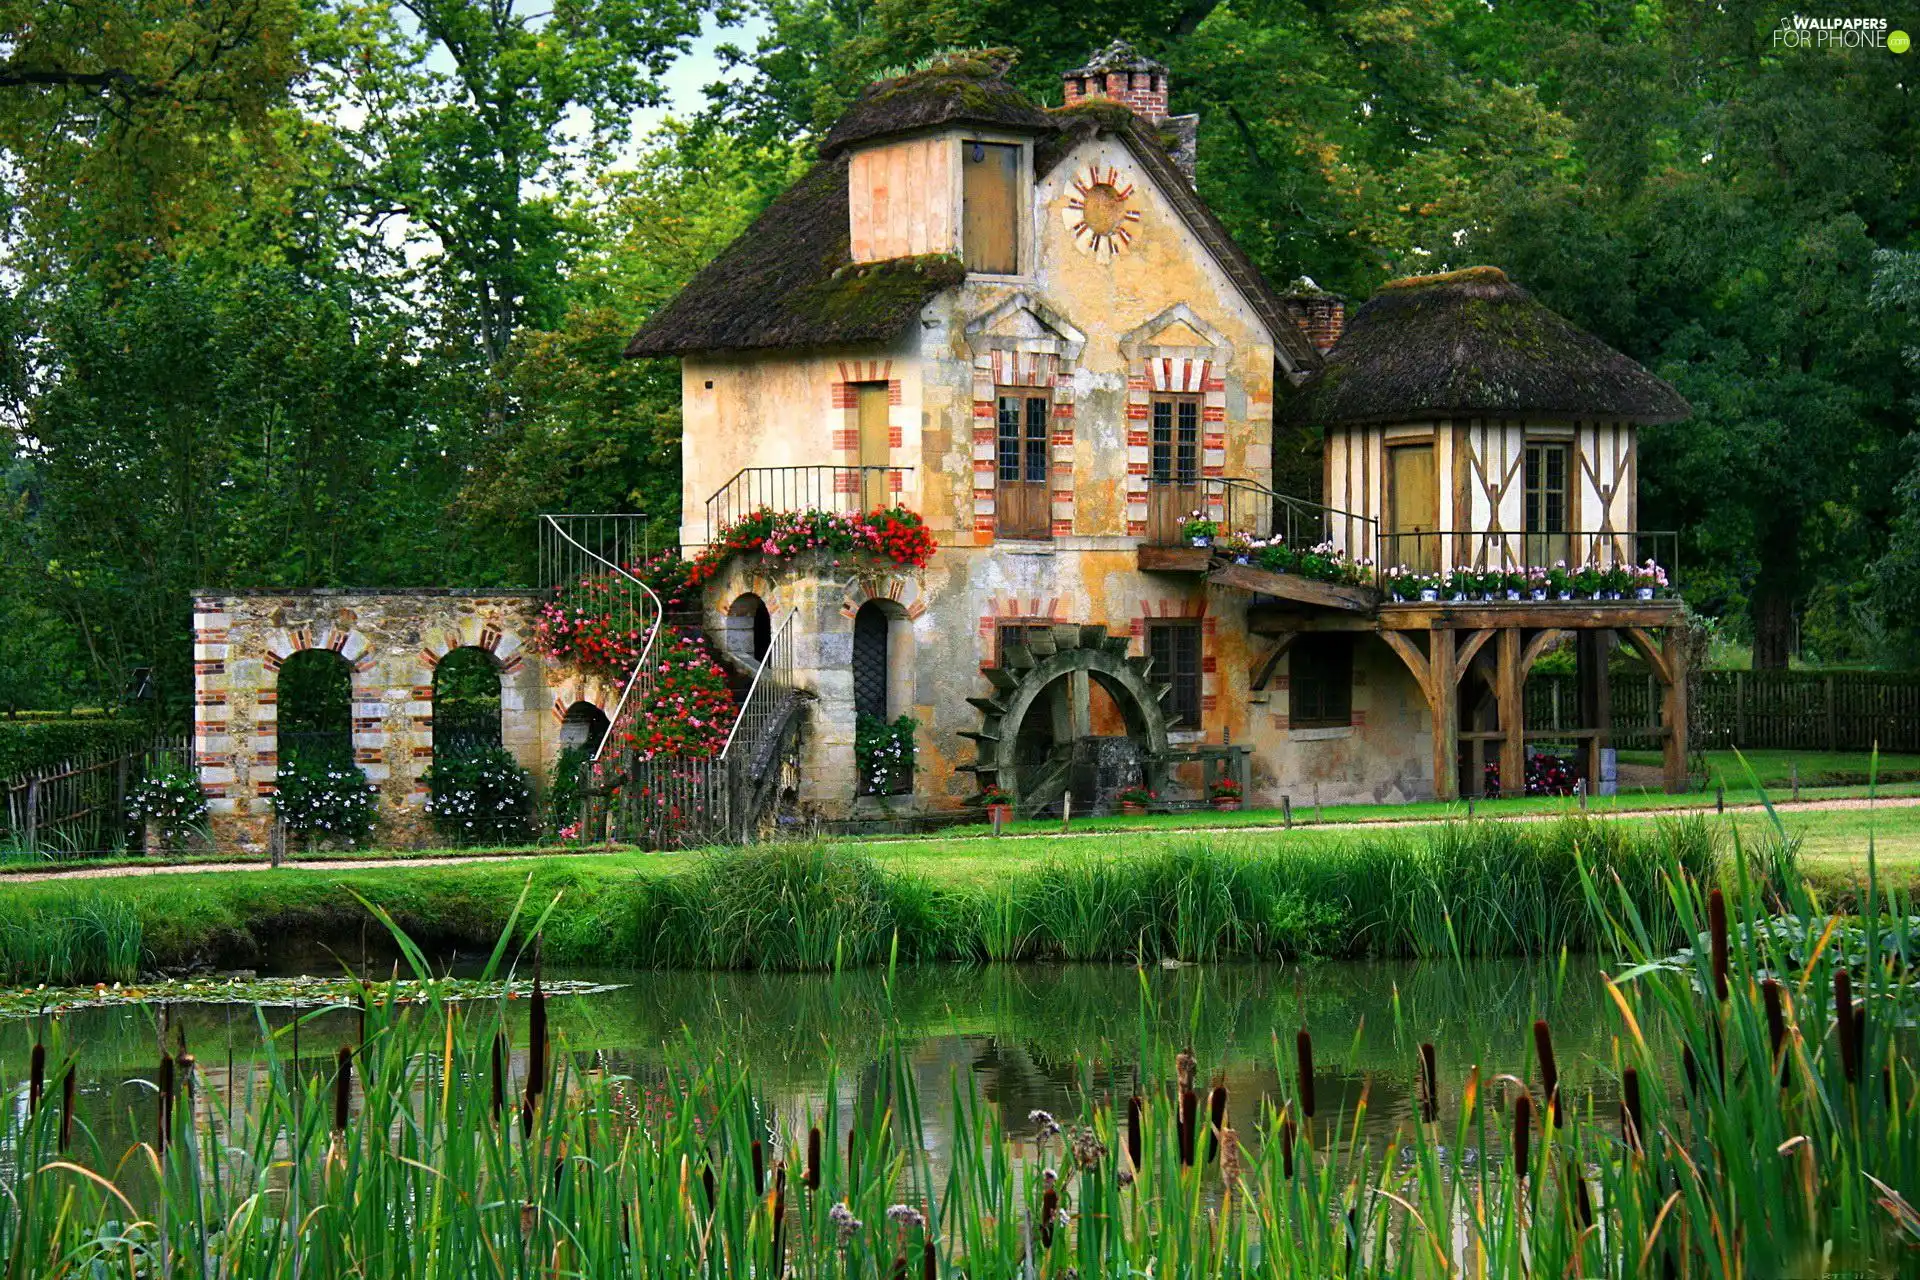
point(886, 533)
point(594, 626)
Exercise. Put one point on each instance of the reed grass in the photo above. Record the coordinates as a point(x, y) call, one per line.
point(1464, 889)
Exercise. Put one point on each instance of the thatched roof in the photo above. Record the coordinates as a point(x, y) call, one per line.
point(788, 281)
point(1474, 344)
point(958, 89)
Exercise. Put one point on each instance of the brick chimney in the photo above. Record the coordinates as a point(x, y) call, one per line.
point(1322, 316)
point(1119, 73)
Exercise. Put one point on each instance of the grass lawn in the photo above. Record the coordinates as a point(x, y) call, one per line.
point(1775, 768)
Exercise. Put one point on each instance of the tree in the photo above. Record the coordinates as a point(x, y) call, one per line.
point(468, 121)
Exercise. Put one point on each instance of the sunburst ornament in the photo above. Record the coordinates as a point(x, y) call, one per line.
point(1101, 213)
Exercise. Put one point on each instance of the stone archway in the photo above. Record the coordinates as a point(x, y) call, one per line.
point(1052, 676)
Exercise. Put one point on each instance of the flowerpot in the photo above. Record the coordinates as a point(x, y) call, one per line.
point(1242, 560)
point(1565, 595)
point(1429, 594)
point(1000, 813)
point(1459, 597)
point(1203, 542)
point(1643, 593)
point(1512, 594)
point(1132, 807)
point(1226, 806)
point(1538, 593)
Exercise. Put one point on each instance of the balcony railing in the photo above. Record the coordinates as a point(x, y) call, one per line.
point(847, 490)
point(1252, 510)
point(1442, 550)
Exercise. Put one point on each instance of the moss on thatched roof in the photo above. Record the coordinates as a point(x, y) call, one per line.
point(1472, 343)
point(789, 281)
point(968, 88)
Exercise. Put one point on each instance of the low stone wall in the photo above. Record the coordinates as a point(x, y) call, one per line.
point(392, 641)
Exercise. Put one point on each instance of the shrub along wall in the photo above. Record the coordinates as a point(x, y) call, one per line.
point(26, 745)
point(1465, 889)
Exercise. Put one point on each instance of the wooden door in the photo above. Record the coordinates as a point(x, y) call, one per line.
point(1413, 509)
point(1173, 472)
point(1022, 501)
point(990, 206)
point(876, 448)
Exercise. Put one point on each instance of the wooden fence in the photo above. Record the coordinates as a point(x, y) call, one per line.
point(1754, 710)
point(78, 808)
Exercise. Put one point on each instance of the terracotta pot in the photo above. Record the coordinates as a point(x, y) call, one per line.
point(1226, 806)
point(1001, 813)
point(1133, 807)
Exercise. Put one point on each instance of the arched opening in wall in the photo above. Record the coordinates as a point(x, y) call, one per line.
point(883, 735)
point(314, 709)
point(582, 729)
point(466, 704)
point(748, 629)
point(1083, 735)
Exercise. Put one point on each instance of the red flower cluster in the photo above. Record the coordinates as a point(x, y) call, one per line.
point(691, 710)
point(889, 533)
point(596, 626)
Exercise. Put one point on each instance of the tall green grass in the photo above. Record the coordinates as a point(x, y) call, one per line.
point(1789, 1147)
point(76, 937)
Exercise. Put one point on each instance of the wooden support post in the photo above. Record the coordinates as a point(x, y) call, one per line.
point(1673, 707)
point(1591, 649)
point(1513, 715)
point(1445, 703)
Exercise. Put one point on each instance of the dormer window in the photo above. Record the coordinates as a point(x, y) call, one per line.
point(990, 206)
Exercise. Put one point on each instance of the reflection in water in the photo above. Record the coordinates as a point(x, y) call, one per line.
point(1028, 1038)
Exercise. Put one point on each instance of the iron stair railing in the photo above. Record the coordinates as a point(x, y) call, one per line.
point(577, 550)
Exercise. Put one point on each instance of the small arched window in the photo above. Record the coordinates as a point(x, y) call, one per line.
point(870, 667)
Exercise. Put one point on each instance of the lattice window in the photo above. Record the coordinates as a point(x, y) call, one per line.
point(870, 662)
point(1174, 647)
point(1320, 682)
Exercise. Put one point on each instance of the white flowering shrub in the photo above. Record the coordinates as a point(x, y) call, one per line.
point(169, 800)
point(480, 797)
point(883, 751)
point(326, 799)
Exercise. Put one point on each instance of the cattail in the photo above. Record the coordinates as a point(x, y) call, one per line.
point(899, 1271)
point(1303, 1051)
point(1522, 1133)
point(759, 1169)
point(166, 1103)
point(537, 1041)
point(1630, 1113)
point(1776, 1022)
point(1429, 1084)
point(1717, 934)
point(779, 1224)
point(1050, 1206)
point(1843, 1019)
point(1217, 1120)
point(929, 1262)
point(813, 1159)
point(1287, 1135)
point(499, 1074)
point(706, 1184)
point(1582, 1197)
point(1189, 1109)
point(1133, 1131)
point(36, 1077)
point(342, 1088)
point(853, 1156)
point(66, 1109)
point(1183, 1068)
point(1690, 1065)
point(1549, 1071)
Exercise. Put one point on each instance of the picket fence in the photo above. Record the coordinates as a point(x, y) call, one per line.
point(78, 808)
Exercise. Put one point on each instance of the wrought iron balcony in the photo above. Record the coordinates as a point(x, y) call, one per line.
point(1248, 509)
point(846, 490)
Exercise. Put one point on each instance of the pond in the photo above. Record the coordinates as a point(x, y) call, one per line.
point(1027, 1037)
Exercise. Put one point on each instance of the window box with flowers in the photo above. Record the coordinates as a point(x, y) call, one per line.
point(1134, 800)
point(892, 534)
point(1225, 794)
point(883, 753)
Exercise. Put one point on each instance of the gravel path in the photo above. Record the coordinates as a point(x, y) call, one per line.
point(454, 860)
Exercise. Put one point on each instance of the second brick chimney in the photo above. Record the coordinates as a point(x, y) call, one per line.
point(1321, 315)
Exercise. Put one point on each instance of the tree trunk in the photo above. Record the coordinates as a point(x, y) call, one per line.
point(1772, 629)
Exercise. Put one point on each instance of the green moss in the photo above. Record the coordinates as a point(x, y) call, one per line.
point(1103, 112)
point(1466, 275)
point(874, 293)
